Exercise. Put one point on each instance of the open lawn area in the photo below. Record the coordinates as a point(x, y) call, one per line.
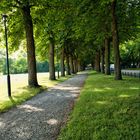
point(106, 110)
point(20, 90)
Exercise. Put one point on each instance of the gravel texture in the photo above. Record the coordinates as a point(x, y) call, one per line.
point(42, 117)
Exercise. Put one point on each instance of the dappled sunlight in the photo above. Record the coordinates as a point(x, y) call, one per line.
point(101, 89)
point(108, 88)
point(75, 91)
point(19, 83)
point(106, 108)
point(67, 95)
point(134, 88)
point(124, 96)
point(52, 122)
point(29, 108)
point(63, 87)
point(20, 90)
point(98, 90)
point(2, 124)
point(72, 95)
point(19, 87)
point(102, 102)
point(4, 98)
point(66, 89)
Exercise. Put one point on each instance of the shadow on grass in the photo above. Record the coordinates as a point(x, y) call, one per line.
point(106, 109)
point(17, 97)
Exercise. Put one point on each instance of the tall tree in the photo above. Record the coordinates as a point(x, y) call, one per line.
point(51, 58)
point(23, 9)
point(102, 60)
point(32, 76)
point(67, 59)
point(107, 56)
point(115, 39)
point(97, 61)
point(62, 62)
point(71, 64)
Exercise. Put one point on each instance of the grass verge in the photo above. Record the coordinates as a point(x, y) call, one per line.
point(106, 110)
point(18, 97)
point(23, 93)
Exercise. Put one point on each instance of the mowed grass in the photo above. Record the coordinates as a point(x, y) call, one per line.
point(20, 90)
point(106, 110)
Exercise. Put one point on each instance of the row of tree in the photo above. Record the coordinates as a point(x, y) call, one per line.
point(79, 32)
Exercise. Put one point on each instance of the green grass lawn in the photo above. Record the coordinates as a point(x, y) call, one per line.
point(20, 91)
point(106, 110)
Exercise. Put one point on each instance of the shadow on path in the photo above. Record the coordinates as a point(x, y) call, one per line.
point(41, 117)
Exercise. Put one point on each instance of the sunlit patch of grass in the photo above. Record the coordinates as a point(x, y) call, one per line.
point(124, 96)
point(21, 92)
point(110, 113)
point(18, 97)
point(102, 102)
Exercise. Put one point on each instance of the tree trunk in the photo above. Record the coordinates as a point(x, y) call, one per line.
point(32, 72)
point(62, 63)
point(67, 59)
point(51, 60)
point(68, 64)
point(102, 60)
point(97, 61)
point(115, 38)
point(75, 66)
point(79, 66)
point(107, 56)
point(71, 64)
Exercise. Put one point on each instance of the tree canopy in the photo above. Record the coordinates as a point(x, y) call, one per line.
point(82, 28)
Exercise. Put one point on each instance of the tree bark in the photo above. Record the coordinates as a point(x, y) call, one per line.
point(107, 56)
point(97, 62)
point(62, 62)
point(67, 59)
point(102, 60)
point(68, 64)
point(75, 66)
point(115, 38)
point(51, 60)
point(71, 64)
point(32, 72)
point(79, 66)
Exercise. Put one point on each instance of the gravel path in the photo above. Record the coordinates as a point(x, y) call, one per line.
point(42, 117)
